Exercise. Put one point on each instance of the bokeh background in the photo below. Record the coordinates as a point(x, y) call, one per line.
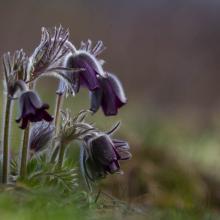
point(166, 53)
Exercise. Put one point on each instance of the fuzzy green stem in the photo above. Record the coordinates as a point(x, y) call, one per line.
point(62, 147)
point(6, 140)
point(24, 153)
point(54, 154)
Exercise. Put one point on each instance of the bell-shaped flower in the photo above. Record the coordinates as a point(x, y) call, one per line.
point(40, 136)
point(89, 66)
point(32, 109)
point(102, 155)
point(110, 96)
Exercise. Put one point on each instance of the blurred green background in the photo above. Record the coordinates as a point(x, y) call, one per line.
point(166, 53)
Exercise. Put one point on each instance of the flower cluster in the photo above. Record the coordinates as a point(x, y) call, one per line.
point(105, 88)
point(75, 68)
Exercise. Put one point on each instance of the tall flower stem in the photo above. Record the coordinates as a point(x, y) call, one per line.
point(24, 153)
point(25, 145)
point(58, 106)
point(61, 155)
point(7, 116)
point(59, 103)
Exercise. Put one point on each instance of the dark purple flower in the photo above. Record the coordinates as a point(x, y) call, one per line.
point(110, 96)
point(103, 156)
point(40, 136)
point(32, 109)
point(91, 67)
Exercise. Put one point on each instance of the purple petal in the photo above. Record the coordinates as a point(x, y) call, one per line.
point(118, 89)
point(96, 98)
point(88, 76)
point(113, 95)
point(121, 144)
point(32, 109)
point(33, 98)
point(24, 123)
point(109, 100)
point(114, 167)
point(102, 150)
point(47, 117)
point(124, 155)
point(122, 148)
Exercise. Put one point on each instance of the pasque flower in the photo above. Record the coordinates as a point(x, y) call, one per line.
point(32, 109)
point(91, 67)
point(110, 95)
point(102, 155)
point(41, 134)
point(75, 68)
point(105, 88)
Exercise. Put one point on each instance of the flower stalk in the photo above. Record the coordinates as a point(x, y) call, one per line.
point(59, 104)
point(7, 117)
point(24, 152)
point(62, 147)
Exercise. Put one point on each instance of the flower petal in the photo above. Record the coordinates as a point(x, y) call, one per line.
point(88, 76)
point(102, 150)
point(24, 123)
point(95, 97)
point(32, 109)
point(118, 89)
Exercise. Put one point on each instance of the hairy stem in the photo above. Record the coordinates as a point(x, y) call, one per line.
point(62, 147)
point(59, 103)
point(54, 154)
point(6, 140)
point(25, 145)
point(24, 153)
point(58, 106)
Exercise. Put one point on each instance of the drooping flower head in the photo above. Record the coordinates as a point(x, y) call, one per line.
point(110, 95)
point(101, 155)
point(105, 88)
point(40, 136)
point(32, 109)
point(91, 67)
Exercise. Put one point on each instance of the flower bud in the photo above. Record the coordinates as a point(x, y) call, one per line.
point(40, 136)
